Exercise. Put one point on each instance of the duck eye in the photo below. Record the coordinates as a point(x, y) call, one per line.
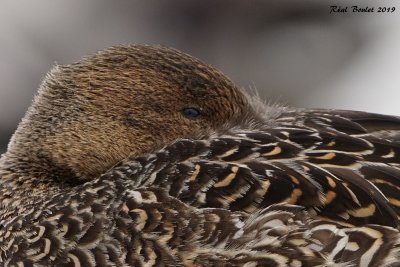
point(191, 112)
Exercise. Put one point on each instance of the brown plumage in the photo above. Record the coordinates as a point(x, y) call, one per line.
point(206, 175)
point(123, 100)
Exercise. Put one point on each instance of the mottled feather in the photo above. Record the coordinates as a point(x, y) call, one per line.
point(246, 185)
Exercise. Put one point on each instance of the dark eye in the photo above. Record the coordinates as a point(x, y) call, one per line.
point(191, 112)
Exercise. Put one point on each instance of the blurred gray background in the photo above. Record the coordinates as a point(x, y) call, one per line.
point(290, 50)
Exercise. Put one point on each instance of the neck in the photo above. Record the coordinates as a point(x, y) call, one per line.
point(33, 169)
point(23, 185)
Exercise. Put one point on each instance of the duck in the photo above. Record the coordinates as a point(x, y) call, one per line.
point(142, 155)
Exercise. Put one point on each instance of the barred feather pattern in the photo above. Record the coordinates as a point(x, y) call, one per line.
point(318, 188)
point(325, 161)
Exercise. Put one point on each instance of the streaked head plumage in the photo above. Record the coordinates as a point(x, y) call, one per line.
point(125, 99)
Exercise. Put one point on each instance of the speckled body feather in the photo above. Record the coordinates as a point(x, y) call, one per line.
point(252, 185)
